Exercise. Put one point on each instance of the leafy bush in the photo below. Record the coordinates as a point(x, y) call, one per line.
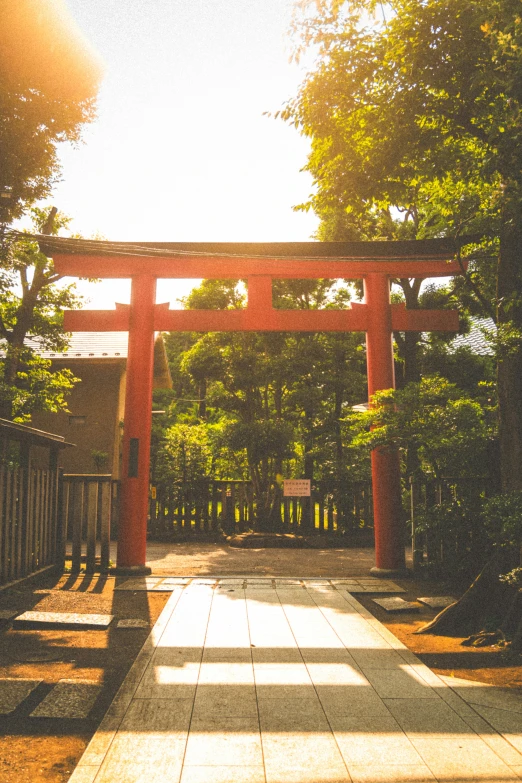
point(185, 455)
point(448, 430)
point(502, 517)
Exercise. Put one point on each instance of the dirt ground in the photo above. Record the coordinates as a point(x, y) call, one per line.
point(34, 750)
point(38, 750)
point(444, 654)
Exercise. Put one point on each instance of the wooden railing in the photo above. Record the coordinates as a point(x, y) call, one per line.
point(89, 509)
point(29, 533)
point(445, 523)
point(207, 507)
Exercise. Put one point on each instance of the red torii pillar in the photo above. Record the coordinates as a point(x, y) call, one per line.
point(134, 498)
point(386, 477)
point(376, 316)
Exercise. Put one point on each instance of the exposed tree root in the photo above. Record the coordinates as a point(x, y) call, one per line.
point(488, 601)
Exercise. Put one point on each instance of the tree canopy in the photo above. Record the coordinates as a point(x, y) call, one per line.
point(31, 318)
point(49, 78)
point(414, 114)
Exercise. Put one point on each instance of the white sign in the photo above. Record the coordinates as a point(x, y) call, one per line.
point(297, 488)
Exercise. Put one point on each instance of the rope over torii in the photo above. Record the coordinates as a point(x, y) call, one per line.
point(257, 263)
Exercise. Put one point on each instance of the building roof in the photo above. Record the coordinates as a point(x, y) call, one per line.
point(92, 345)
point(476, 340)
point(109, 345)
point(11, 430)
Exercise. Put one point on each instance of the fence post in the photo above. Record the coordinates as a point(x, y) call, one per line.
point(92, 518)
point(77, 524)
point(62, 515)
point(416, 549)
point(105, 524)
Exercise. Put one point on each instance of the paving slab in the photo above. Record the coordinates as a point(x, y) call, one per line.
point(396, 605)
point(373, 740)
point(420, 717)
point(391, 773)
point(138, 583)
point(69, 620)
point(370, 585)
point(485, 694)
point(133, 623)
point(7, 614)
point(286, 685)
point(13, 692)
point(438, 601)
point(223, 774)
point(162, 588)
point(370, 589)
point(71, 699)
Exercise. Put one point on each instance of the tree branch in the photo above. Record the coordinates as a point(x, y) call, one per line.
point(476, 290)
point(3, 330)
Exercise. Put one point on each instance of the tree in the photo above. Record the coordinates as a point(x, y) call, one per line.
point(420, 113)
point(491, 608)
point(449, 430)
point(31, 318)
point(272, 402)
point(237, 375)
point(48, 83)
point(185, 454)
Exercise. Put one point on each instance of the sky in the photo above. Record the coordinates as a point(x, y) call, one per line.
point(182, 149)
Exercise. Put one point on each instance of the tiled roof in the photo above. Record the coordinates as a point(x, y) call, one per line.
point(93, 345)
point(475, 340)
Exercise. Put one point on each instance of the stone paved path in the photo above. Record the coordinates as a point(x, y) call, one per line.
point(283, 683)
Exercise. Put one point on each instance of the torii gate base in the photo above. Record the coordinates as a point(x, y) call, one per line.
point(375, 262)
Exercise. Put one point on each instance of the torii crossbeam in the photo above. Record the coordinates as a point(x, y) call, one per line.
point(257, 263)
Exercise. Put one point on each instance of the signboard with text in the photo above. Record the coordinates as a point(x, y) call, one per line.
point(296, 488)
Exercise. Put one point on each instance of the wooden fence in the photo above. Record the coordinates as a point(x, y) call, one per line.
point(445, 523)
point(29, 532)
point(210, 506)
point(89, 510)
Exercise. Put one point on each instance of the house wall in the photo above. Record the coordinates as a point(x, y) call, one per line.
point(99, 397)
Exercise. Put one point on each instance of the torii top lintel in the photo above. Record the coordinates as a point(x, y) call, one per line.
point(236, 260)
point(259, 263)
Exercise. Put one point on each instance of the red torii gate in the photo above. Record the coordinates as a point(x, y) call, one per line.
point(259, 264)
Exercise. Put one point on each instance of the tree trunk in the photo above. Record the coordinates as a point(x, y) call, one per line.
point(408, 343)
point(487, 598)
point(509, 372)
point(308, 443)
point(202, 396)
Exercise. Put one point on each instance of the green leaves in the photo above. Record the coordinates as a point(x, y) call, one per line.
point(31, 319)
point(272, 402)
point(48, 84)
point(419, 108)
point(448, 429)
point(185, 455)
